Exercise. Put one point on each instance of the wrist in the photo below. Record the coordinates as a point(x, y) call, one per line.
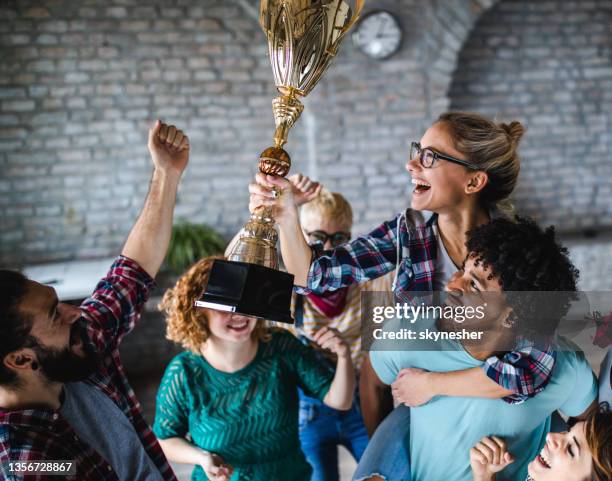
point(289, 224)
point(344, 356)
point(203, 457)
point(291, 219)
point(166, 175)
point(436, 383)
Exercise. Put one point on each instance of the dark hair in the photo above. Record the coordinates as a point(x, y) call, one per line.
point(14, 326)
point(527, 258)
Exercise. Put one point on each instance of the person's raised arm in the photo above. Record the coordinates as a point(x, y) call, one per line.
point(148, 240)
point(376, 400)
point(364, 258)
point(342, 388)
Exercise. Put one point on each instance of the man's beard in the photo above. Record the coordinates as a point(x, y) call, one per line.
point(63, 365)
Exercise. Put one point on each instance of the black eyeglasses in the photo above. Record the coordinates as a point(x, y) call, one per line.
point(428, 157)
point(336, 239)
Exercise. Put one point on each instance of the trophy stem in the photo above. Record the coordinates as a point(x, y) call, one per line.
point(258, 237)
point(287, 109)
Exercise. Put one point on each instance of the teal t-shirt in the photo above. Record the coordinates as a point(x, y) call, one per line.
point(249, 417)
point(443, 430)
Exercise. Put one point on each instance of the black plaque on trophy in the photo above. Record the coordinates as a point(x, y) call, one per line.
point(250, 290)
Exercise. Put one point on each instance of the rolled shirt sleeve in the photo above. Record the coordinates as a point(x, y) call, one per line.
point(524, 371)
point(114, 308)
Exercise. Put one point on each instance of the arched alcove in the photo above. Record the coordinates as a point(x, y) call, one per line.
point(549, 65)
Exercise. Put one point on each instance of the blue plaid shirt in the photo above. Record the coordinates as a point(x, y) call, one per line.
point(525, 371)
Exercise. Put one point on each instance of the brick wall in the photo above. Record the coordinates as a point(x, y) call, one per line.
point(549, 65)
point(80, 82)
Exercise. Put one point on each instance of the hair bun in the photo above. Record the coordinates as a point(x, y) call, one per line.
point(515, 131)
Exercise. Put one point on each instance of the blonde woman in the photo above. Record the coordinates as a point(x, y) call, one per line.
point(229, 403)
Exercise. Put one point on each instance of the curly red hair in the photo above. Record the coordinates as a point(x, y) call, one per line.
point(187, 325)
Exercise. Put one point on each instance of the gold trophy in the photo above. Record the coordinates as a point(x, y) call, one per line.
point(303, 37)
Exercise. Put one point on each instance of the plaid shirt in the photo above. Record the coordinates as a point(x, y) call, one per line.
point(525, 371)
point(42, 434)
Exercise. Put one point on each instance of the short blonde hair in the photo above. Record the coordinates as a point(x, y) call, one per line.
point(328, 205)
point(186, 324)
point(493, 148)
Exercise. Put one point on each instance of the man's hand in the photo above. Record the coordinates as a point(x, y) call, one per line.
point(215, 468)
point(489, 457)
point(413, 387)
point(304, 188)
point(169, 148)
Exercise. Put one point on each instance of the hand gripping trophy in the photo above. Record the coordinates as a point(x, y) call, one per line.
point(303, 37)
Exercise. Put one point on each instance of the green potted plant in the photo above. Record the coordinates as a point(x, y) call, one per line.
point(189, 243)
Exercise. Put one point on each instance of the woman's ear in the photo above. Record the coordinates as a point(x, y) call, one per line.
point(478, 181)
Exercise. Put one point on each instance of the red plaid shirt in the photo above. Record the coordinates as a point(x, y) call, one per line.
point(42, 434)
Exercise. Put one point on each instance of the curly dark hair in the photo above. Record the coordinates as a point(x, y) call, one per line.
point(527, 260)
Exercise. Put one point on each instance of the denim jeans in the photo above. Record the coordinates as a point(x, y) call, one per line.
point(387, 454)
point(322, 429)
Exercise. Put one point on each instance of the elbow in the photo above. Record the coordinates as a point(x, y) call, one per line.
point(339, 405)
point(340, 400)
point(165, 445)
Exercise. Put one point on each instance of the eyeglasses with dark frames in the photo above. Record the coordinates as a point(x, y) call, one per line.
point(336, 239)
point(428, 157)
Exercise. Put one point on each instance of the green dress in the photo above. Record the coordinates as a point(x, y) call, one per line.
point(249, 417)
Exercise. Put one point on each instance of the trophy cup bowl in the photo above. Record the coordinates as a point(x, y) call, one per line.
point(303, 38)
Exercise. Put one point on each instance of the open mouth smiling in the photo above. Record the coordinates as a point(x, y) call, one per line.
point(238, 326)
point(420, 186)
point(543, 461)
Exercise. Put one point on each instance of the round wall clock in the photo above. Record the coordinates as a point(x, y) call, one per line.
point(378, 35)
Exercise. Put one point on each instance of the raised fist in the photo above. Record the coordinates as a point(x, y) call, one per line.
point(304, 188)
point(169, 148)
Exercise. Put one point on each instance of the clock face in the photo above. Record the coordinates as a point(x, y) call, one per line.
point(378, 35)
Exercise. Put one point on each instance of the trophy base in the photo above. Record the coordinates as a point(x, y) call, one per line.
point(249, 290)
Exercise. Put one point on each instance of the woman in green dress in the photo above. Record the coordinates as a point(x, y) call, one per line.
point(229, 403)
